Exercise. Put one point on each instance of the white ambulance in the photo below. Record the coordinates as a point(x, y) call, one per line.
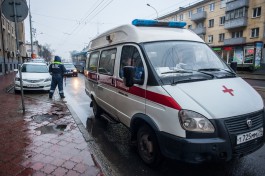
point(177, 97)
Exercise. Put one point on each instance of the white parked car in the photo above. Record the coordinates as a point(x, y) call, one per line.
point(35, 76)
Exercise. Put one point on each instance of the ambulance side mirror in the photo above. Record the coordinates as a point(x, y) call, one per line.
point(128, 74)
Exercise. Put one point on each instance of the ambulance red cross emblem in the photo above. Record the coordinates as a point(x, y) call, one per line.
point(226, 90)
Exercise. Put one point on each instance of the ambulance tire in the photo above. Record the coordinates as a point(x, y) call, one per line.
point(96, 110)
point(147, 146)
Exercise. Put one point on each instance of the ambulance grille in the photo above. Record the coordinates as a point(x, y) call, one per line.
point(239, 125)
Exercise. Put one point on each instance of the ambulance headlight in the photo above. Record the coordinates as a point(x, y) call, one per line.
point(193, 121)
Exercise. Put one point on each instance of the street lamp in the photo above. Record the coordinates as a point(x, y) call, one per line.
point(154, 9)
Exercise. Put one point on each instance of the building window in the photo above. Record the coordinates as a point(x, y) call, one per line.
point(222, 20)
point(211, 23)
point(256, 12)
point(211, 7)
point(181, 17)
point(210, 38)
point(200, 9)
point(3, 22)
point(1, 69)
point(221, 37)
point(190, 13)
point(255, 32)
point(223, 4)
point(200, 25)
point(237, 34)
point(238, 13)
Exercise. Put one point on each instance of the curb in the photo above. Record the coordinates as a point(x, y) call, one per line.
point(98, 158)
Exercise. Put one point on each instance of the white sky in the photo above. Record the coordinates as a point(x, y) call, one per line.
point(68, 25)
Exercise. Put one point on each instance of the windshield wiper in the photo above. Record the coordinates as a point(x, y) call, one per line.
point(203, 71)
point(188, 80)
point(177, 71)
point(217, 69)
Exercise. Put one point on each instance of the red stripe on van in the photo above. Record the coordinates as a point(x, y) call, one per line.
point(152, 96)
point(162, 99)
point(155, 97)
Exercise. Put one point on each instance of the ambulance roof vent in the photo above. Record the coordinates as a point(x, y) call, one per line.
point(156, 23)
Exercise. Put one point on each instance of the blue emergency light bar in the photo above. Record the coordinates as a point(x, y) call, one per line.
point(156, 23)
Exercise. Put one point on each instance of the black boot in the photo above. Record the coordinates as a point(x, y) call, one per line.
point(62, 96)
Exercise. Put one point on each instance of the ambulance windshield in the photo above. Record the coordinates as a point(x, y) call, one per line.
point(181, 58)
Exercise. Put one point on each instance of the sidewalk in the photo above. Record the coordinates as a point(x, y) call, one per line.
point(249, 75)
point(45, 140)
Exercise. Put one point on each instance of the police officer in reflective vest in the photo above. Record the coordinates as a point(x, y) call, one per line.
point(57, 71)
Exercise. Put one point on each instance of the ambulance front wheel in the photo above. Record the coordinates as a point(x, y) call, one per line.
point(147, 146)
point(96, 109)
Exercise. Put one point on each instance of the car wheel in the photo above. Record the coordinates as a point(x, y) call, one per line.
point(147, 146)
point(96, 110)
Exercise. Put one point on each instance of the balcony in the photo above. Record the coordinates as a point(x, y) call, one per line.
point(199, 16)
point(234, 41)
point(236, 4)
point(199, 30)
point(236, 23)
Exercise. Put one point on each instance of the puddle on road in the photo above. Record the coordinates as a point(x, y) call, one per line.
point(51, 129)
point(44, 117)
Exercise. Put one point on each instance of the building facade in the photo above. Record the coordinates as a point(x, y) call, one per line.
point(10, 54)
point(235, 29)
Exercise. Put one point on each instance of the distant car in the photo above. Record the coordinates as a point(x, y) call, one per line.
point(79, 68)
point(70, 69)
point(35, 76)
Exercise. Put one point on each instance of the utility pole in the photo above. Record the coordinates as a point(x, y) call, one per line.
point(16, 11)
point(30, 24)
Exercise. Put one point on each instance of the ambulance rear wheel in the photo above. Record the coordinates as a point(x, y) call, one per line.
point(147, 146)
point(96, 110)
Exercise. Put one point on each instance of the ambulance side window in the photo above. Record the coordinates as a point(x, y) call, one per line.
point(107, 61)
point(130, 56)
point(93, 62)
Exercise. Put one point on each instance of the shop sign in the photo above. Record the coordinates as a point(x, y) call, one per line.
point(258, 46)
point(228, 48)
point(217, 49)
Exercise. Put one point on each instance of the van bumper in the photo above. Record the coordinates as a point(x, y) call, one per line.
point(198, 150)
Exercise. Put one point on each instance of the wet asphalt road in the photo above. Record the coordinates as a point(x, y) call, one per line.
point(112, 143)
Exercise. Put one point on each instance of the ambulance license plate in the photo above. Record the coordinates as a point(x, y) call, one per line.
point(242, 138)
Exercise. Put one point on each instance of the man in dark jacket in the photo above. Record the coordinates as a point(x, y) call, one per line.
point(57, 70)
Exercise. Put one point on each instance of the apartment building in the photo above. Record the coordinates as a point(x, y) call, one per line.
point(10, 55)
point(235, 29)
